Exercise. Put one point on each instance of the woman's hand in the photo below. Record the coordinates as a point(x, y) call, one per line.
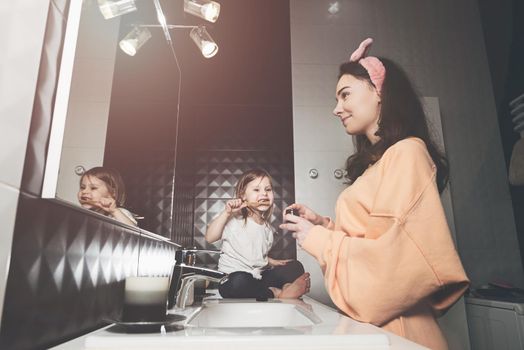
point(298, 225)
point(275, 262)
point(234, 206)
point(306, 213)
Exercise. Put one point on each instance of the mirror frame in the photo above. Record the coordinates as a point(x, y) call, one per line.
point(56, 136)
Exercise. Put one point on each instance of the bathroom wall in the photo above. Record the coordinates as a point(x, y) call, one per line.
point(63, 266)
point(504, 36)
point(515, 87)
point(89, 101)
point(19, 65)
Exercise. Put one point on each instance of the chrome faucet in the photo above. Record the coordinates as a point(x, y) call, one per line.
point(185, 296)
point(185, 274)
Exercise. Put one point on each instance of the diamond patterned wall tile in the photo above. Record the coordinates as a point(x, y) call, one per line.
point(43, 105)
point(149, 181)
point(67, 270)
point(156, 257)
point(183, 211)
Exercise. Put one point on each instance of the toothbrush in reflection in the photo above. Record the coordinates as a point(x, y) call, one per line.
point(257, 204)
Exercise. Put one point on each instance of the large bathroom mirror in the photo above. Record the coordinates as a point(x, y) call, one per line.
point(120, 111)
point(117, 111)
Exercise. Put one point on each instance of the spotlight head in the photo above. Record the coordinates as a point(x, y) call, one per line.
point(203, 40)
point(206, 9)
point(115, 8)
point(134, 40)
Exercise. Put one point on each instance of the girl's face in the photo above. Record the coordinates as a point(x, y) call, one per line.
point(358, 106)
point(260, 190)
point(92, 189)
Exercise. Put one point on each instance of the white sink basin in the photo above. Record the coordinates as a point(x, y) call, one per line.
point(246, 324)
point(252, 314)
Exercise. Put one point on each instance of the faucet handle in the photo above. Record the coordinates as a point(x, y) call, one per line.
point(188, 255)
point(185, 296)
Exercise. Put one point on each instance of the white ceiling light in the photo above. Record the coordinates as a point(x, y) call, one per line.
point(334, 7)
point(114, 8)
point(134, 40)
point(208, 10)
point(203, 40)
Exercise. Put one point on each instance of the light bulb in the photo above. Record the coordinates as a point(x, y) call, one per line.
point(206, 9)
point(134, 40)
point(115, 8)
point(203, 40)
point(210, 11)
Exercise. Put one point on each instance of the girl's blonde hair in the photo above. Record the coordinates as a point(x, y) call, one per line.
point(240, 190)
point(113, 181)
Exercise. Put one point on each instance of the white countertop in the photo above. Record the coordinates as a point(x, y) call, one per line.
point(331, 330)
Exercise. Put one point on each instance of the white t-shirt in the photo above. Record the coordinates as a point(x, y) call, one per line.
point(128, 214)
point(245, 246)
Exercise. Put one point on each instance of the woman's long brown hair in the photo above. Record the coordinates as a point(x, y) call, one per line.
point(401, 116)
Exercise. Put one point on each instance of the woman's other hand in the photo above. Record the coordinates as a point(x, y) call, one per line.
point(298, 225)
point(308, 214)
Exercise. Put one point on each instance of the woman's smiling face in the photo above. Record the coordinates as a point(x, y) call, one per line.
point(358, 105)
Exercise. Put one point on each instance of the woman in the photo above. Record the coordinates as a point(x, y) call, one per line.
point(388, 258)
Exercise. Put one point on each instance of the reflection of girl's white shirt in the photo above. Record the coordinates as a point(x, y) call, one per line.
point(245, 246)
point(128, 214)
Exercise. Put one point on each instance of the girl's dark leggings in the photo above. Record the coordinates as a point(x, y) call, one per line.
point(242, 284)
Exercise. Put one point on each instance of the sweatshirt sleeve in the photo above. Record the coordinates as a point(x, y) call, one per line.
point(408, 254)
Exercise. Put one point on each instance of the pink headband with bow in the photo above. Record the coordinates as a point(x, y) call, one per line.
point(375, 68)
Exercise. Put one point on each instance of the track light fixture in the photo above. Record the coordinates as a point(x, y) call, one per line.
point(206, 9)
point(115, 8)
point(134, 40)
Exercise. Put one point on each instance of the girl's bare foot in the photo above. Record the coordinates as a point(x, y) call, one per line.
point(295, 290)
point(276, 292)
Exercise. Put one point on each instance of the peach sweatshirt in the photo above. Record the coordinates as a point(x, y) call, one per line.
point(389, 259)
